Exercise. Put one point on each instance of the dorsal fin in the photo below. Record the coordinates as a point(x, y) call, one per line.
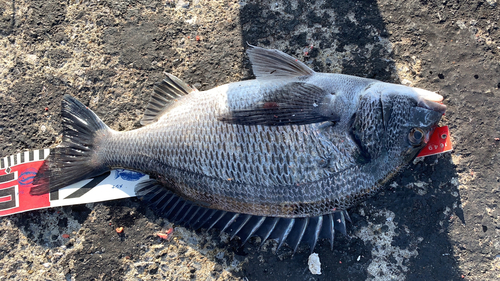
point(274, 64)
point(166, 92)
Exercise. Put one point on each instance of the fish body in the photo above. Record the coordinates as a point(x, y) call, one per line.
point(276, 156)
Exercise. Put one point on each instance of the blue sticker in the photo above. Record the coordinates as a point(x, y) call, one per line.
point(128, 175)
point(27, 176)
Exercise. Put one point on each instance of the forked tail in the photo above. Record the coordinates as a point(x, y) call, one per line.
point(76, 158)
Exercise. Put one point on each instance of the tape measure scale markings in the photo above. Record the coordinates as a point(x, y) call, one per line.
point(18, 171)
point(16, 176)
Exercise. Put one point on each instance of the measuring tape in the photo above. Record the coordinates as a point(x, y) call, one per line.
point(16, 178)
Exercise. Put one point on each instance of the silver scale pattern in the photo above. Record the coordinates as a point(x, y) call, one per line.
point(288, 171)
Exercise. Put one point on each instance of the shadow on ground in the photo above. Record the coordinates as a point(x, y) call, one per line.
point(358, 32)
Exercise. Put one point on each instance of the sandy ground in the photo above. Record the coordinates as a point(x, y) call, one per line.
point(438, 220)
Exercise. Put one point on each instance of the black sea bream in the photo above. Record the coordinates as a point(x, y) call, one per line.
point(280, 157)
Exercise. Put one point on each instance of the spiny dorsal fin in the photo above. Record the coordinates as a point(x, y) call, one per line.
point(274, 64)
point(166, 93)
point(296, 103)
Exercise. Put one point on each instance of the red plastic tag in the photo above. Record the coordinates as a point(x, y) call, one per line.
point(440, 142)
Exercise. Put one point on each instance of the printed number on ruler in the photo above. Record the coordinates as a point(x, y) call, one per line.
point(16, 176)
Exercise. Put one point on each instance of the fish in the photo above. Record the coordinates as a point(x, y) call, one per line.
point(281, 156)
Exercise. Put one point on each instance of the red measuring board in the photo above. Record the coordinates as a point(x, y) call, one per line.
point(439, 142)
point(16, 175)
point(16, 178)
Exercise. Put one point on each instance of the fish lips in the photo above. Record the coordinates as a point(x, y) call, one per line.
point(432, 105)
point(429, 108)
point(437, 111)
point(425, 99)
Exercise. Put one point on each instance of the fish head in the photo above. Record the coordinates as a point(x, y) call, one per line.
point(394, 122)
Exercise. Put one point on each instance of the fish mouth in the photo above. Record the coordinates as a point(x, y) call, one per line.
point(432, 105)
point(428, 95)
point(430, 100)
point(428, 135)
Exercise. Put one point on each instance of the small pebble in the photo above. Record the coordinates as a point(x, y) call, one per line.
point(314, 264)
point(182, 4)
point(47, 264)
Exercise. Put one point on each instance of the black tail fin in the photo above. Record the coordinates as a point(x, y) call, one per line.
point(76, 158)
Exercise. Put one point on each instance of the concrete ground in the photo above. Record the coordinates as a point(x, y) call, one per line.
point(438, 220)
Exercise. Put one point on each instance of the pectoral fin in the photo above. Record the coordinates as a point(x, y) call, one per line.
point(297, 103)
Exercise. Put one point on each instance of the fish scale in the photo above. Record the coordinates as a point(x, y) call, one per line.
point(281, 156)
point(229, 153)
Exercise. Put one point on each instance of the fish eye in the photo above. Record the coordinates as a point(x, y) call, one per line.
point(416, 136)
